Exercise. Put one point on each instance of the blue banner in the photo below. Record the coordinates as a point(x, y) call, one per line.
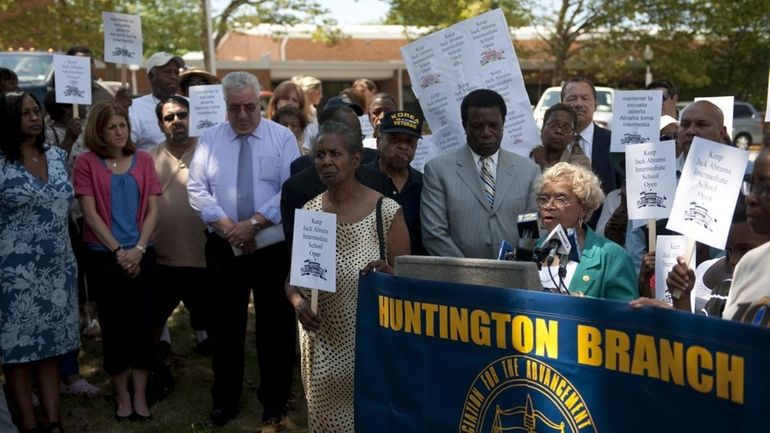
point(441, 357)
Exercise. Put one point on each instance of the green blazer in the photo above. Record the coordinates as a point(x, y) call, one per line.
point(605, 270)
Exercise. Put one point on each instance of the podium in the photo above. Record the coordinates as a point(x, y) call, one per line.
point(485, 272)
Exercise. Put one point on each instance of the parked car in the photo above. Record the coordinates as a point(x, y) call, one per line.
point(34, 69)
point(747, 123)
point(602, 115)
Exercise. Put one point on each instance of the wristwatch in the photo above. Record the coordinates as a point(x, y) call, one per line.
point(254, 223)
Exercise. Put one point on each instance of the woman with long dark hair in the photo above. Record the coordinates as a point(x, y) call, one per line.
point(38, 274)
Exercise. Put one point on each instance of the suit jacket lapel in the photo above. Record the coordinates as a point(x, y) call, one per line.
point(466, 171)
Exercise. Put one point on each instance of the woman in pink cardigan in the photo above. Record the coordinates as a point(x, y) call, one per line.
point(117, 188)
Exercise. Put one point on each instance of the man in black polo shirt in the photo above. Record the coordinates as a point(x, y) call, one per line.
point(396, 144)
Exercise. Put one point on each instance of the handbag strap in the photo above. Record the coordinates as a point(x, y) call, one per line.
point(380, 231)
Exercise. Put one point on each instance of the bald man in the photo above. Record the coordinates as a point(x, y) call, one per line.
point(700, 119)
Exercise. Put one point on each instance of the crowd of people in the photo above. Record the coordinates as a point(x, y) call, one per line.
point(118, 204)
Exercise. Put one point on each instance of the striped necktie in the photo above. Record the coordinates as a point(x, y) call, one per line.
point(488, 179)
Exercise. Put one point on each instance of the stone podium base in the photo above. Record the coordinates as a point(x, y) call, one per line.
point(495, 273)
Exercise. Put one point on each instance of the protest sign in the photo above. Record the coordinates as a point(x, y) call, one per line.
point(650, 179)
point(474, 54)
point(72, 79)
point(726, 104)
point(425, 152)
point(314, 251)
point(704, 202)
point(667, 249)
point(445, 357)
point(207, 108)
point(122, 38)
point(635, 118)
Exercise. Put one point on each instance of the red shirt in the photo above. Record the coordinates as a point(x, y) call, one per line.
point(92, 177)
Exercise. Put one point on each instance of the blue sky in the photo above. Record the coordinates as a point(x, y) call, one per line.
point(345, 11)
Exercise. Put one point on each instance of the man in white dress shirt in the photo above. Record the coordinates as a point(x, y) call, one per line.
point(235, 185)
point(163, 73)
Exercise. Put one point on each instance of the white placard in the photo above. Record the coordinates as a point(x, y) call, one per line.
point(122, 38)
point(667, 249)
point(650, 179)
point(473, 54)
point(72, 75)
point(207, 108)
point(705, 198)
point(424, 153)
point(726, 104)
point(635, 118)
point(314, 250)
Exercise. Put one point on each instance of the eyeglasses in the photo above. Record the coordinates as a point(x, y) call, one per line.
point(237, 108)
point(182, 115)
point(559, 201)
point(555, 124)
point(759, 189)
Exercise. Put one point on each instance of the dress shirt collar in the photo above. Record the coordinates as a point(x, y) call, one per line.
point(477, 158)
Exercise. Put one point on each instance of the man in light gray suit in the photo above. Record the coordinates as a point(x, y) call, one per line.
point(472, 196)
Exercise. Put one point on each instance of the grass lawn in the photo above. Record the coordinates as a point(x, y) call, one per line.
point(186, 409)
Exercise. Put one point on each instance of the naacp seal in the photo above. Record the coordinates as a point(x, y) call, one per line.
point(521, 393)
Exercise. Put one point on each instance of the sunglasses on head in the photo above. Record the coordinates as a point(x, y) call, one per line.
point(170, 117)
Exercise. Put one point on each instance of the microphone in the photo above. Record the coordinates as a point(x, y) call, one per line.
point(557, 242)
point(529, 231)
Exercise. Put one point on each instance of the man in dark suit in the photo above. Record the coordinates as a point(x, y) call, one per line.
point(580, 94)
point(472, 195)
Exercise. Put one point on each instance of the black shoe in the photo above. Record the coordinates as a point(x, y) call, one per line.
point(203, 348)
point(141, 418)
point(219, 416)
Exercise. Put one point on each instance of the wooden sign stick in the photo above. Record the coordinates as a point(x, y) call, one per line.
point(652, 235)
point(676, 293)
point(124, 75)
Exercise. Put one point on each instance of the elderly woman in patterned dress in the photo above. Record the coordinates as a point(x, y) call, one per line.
point(38, 274)
point(327, 337)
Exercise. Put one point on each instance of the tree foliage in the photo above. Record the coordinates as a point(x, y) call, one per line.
point(439, 14)
point(169, 25)
point(249, 13)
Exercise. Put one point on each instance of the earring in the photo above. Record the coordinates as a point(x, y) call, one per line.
point(580, 222)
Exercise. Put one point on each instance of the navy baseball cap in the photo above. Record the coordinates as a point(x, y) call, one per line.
point(401, 122)
point(337, 101)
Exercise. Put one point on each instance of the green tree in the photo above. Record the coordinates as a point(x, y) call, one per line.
point(439, 14)
point(168, 25)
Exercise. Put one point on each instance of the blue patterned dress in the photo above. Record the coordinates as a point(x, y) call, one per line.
point(38, 273)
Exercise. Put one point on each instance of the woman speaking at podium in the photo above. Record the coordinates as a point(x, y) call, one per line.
point(568, 194)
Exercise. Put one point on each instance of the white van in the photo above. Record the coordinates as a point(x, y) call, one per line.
point(602, 115)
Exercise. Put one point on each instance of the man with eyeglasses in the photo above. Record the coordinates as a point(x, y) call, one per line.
point(235, 185)
point(580, 94)
point(180, 239)
point(163, 74)
point(749, 297)
point(670, 97)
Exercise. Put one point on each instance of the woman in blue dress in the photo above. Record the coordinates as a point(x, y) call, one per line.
point(38, 274)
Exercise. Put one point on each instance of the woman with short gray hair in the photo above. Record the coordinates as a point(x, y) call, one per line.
point(567, 195)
